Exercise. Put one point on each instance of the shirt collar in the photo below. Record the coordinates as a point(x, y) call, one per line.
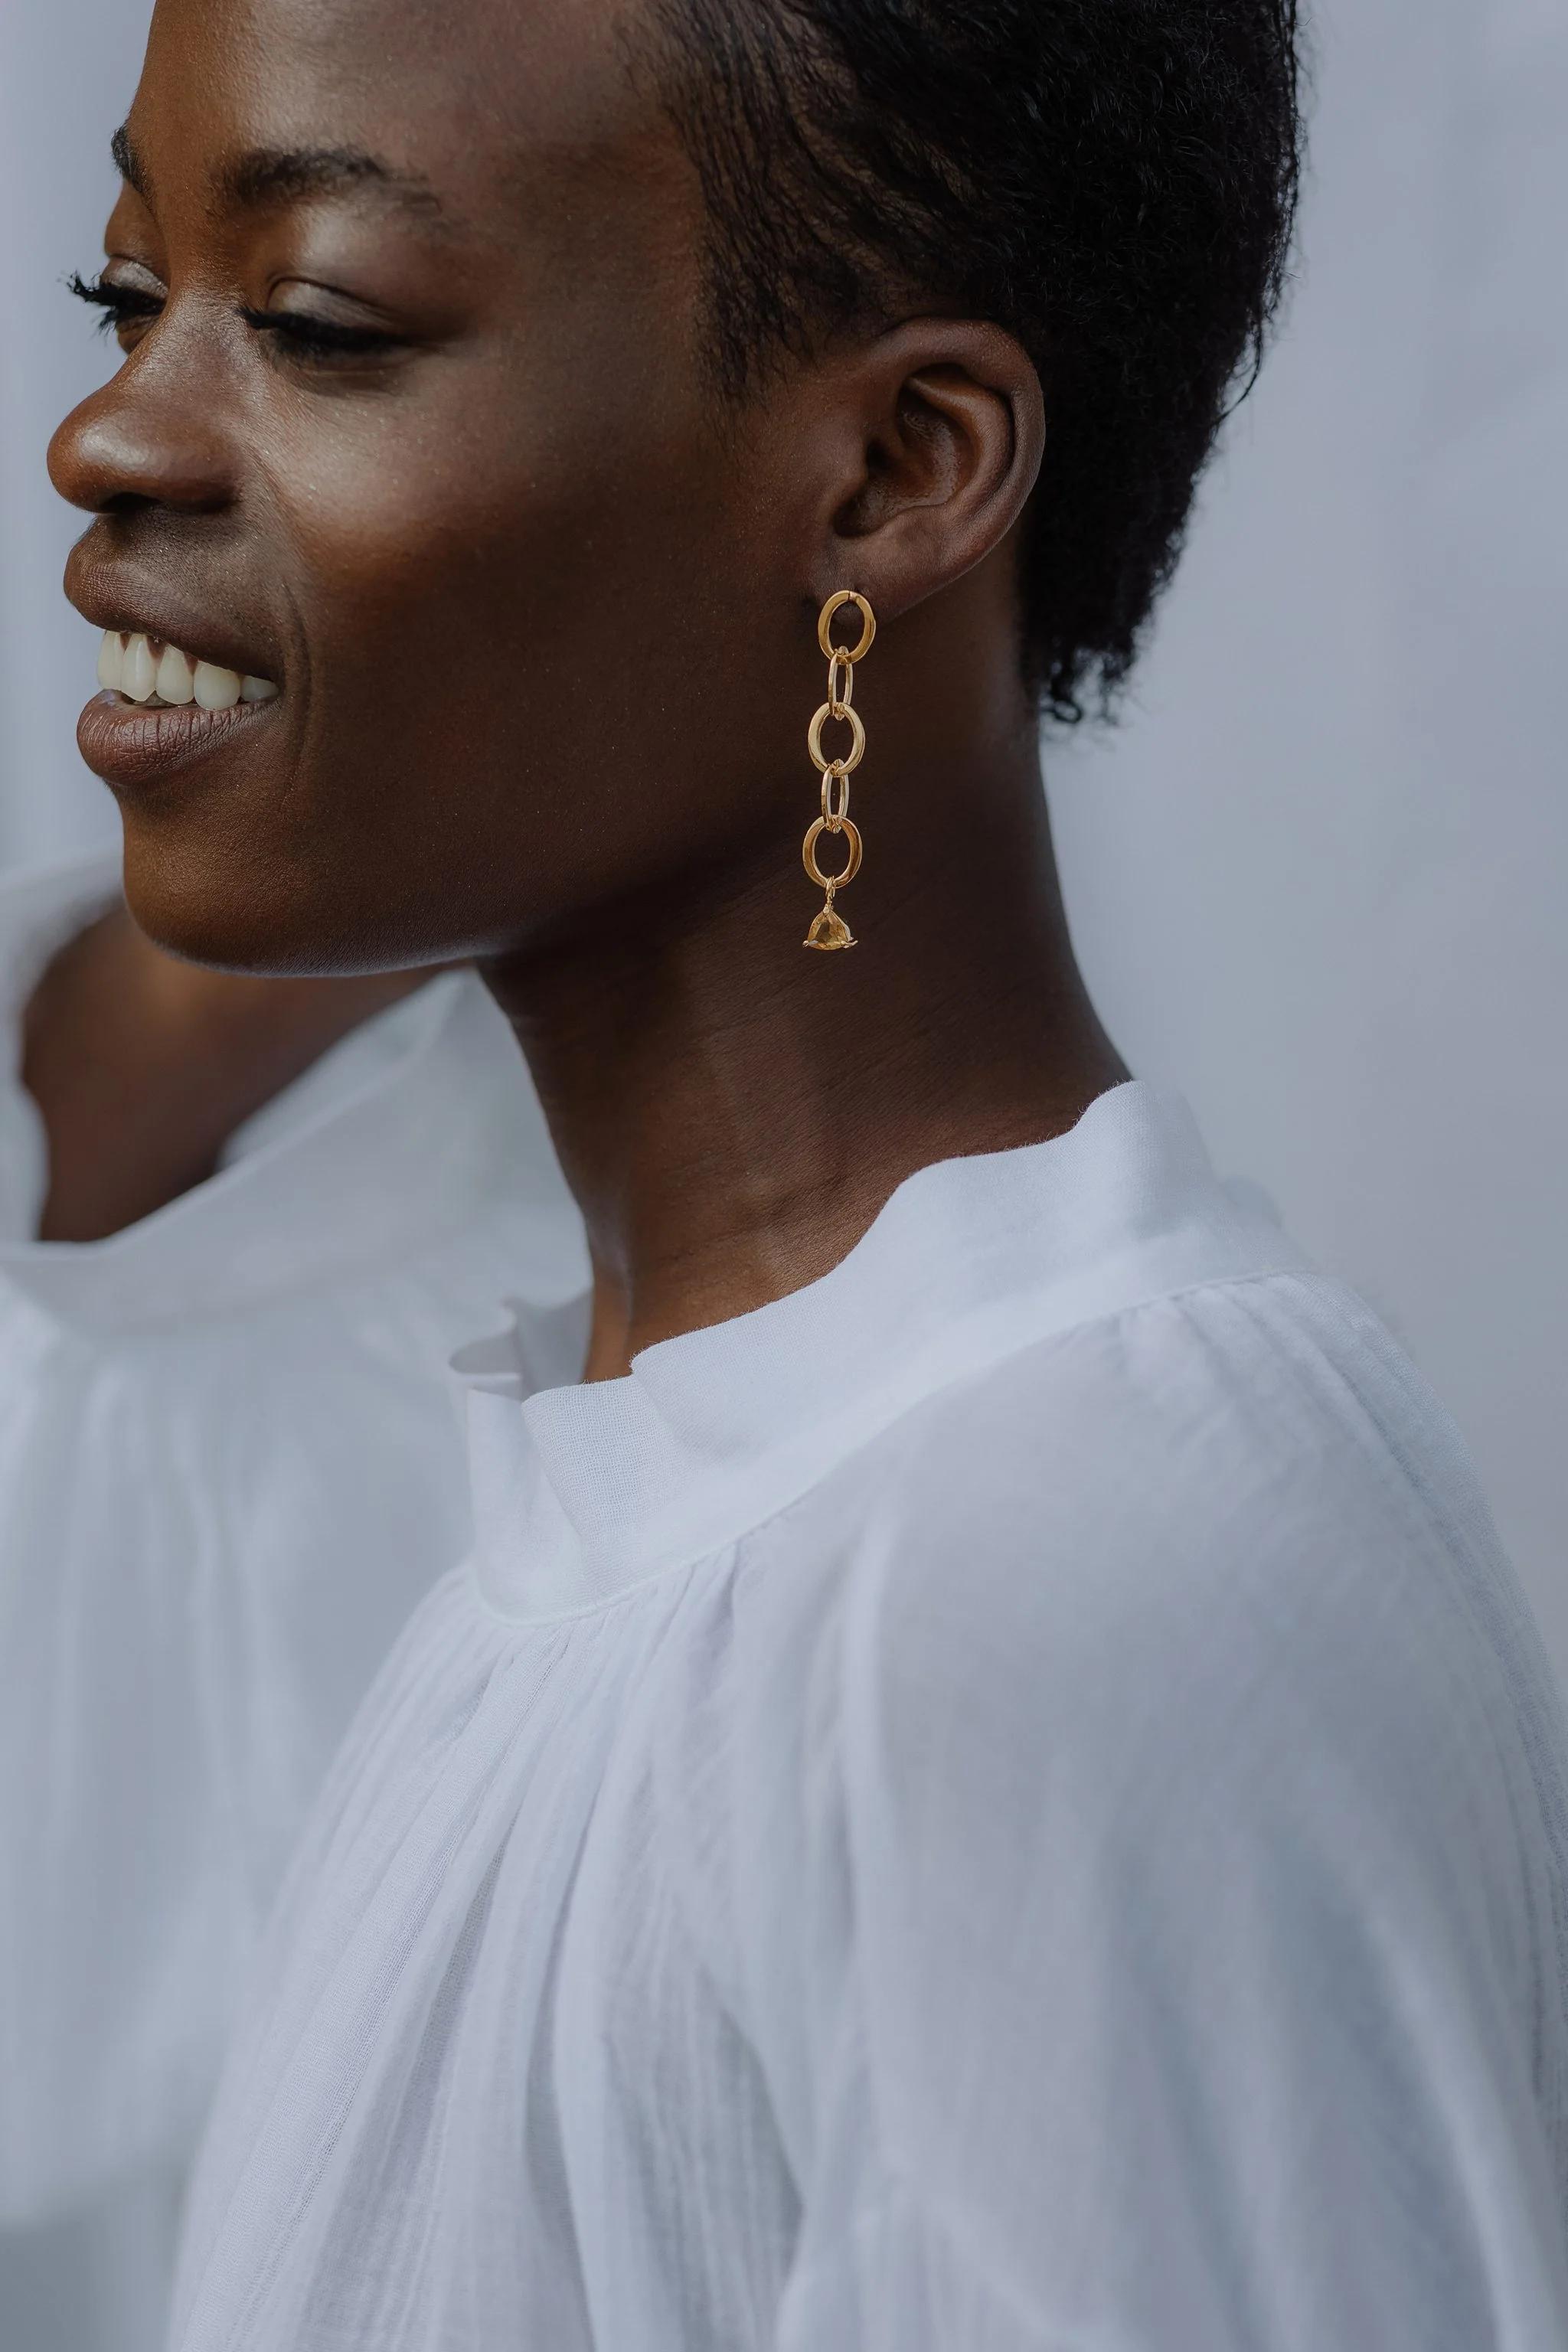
point(581, 1491)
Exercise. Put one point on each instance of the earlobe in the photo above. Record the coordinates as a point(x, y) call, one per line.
point(953, 437)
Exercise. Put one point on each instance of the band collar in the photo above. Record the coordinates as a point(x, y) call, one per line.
point(582, 1490)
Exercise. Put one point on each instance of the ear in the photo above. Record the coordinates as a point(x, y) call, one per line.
point(938, 429)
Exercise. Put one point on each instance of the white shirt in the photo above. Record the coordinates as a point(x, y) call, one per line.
point(229, 1465)
point(1004, 1801)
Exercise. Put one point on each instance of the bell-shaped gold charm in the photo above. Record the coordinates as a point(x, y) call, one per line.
point(829, 930)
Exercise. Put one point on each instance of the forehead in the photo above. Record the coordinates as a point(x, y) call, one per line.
point(457, 109)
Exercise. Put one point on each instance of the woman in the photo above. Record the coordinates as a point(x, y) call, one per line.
point(988, 1786)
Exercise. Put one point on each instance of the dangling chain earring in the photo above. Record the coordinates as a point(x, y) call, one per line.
point(830, 930)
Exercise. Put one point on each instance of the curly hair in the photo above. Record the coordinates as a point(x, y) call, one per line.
point(1112, 181)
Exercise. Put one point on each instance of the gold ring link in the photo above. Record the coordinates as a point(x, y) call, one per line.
point(868, 626)
point(808, 855)
point(828, 929)
point(819, 758)
point(835, 810)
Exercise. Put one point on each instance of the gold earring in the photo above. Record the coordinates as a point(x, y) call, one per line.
point(830, 930)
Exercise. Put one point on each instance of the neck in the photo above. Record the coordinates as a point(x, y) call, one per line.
point(731, 1112)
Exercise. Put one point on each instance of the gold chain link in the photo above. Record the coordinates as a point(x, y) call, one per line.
point(835, 809)
point(829, 930)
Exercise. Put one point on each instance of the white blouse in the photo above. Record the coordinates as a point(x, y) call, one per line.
point(230, 1463)
point(1006, 1800)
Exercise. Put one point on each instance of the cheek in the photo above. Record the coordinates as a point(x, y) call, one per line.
point(500, 504)
point(506, 653)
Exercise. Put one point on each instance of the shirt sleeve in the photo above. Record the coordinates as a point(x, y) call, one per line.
point(1174, 1940)
point(229, 1466)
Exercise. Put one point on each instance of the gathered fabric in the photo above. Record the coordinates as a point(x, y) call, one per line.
point(1007, 1798)
point(231, 1462)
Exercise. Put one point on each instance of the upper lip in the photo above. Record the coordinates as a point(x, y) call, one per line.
point(116, 599)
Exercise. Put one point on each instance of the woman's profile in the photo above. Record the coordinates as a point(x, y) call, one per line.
point(987, 1784)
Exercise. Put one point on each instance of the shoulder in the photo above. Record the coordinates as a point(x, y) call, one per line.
point(1201, 1458)
point(1218, 1557)
point(1172, 1794)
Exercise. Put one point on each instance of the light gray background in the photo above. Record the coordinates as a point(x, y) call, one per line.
point(1318, 876)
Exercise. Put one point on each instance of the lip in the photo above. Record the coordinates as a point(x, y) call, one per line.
point(128, 745)
point(112, 594)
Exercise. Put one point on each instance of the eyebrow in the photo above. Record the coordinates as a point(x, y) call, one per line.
point(269, 176)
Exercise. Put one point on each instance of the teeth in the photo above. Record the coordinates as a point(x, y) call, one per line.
point(174, 681)
point(216, 689)
point(140, 674)
point(152, 671)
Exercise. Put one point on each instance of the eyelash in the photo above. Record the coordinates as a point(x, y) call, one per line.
point(320, 339)
point(118, 304)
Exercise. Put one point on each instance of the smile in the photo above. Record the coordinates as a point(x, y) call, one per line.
point(146, 671)
point(161, 707)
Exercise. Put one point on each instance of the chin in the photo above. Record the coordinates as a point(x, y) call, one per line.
point(305, 908)
point(220, 904)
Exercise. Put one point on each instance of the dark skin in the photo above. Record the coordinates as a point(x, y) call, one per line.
point(542, 609)
point(143, 1066)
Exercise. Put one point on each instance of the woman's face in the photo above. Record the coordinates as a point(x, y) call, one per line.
point(532, 604)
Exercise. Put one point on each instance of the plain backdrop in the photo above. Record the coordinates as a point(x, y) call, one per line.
point(1318, 874)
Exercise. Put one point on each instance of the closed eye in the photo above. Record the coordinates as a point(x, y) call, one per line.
point(307, 338)
point(118, 306)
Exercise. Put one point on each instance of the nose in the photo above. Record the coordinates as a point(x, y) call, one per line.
point(150, 438)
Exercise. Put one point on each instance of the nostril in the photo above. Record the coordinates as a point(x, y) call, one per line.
point(140, 443)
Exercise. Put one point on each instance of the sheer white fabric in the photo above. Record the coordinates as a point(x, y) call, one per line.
point(1006, 1800)
point(230, 1463)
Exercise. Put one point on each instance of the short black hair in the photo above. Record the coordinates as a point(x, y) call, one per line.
point(1112, 181)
